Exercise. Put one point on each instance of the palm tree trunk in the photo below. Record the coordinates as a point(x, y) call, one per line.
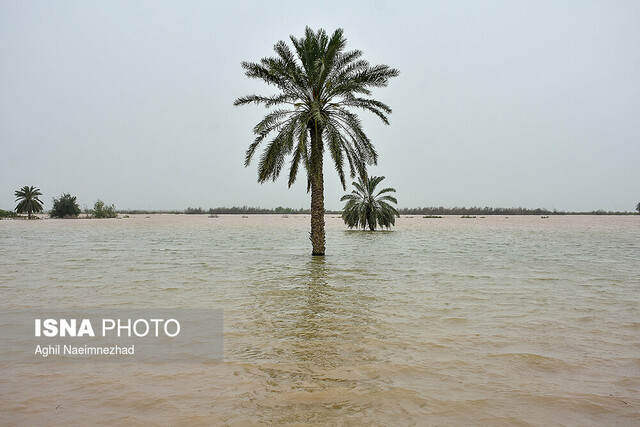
point(317, 193)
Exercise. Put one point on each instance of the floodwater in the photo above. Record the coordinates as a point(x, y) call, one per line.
point(452, 321)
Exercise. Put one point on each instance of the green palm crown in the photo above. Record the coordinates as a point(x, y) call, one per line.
point(318, 84)
point(28, 201)
point(366, 208)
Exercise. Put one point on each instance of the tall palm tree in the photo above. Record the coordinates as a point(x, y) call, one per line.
point(318, 84)
point(365, 207)
point(28, 200)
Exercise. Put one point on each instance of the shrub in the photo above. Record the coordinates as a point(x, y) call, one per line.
point(7, 214)
point(65, 207)
point(100, 210)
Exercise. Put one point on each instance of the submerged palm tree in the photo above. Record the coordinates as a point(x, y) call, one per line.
point(318, 84)
point(365, 207)
point(28, 200)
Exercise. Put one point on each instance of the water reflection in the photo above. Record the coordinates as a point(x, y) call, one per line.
point(305, 315)
point(308, 330)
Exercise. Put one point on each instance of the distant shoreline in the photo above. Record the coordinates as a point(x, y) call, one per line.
point(430, 211)
point(244, 210)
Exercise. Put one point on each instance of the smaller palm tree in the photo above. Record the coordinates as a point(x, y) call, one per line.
point(366, 208)
point(28, 200)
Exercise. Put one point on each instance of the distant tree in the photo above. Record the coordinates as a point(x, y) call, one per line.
point(366, 208)
point(64, 207)
point(100, 210)
point(28, 200)
point(193, 211)
point(638, 207)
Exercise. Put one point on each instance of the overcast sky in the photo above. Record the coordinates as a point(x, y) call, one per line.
point(499, 103)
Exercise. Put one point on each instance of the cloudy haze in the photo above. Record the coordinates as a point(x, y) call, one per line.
point(499, 103)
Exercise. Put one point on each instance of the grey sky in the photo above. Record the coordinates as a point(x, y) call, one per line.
point(499, 103)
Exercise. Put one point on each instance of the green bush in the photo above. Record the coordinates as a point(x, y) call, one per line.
point(7, 214)
point(100, 210)
point(65, 207)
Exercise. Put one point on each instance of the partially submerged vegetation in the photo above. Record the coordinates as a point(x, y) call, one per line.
point(435, 211)
point(65, 207)
point(7, 214)
point(366, 208)
point(245, 210)
point(100, 210)
point(255, 210)
point(406, 212)
point(319, 85)
point(28, 201)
